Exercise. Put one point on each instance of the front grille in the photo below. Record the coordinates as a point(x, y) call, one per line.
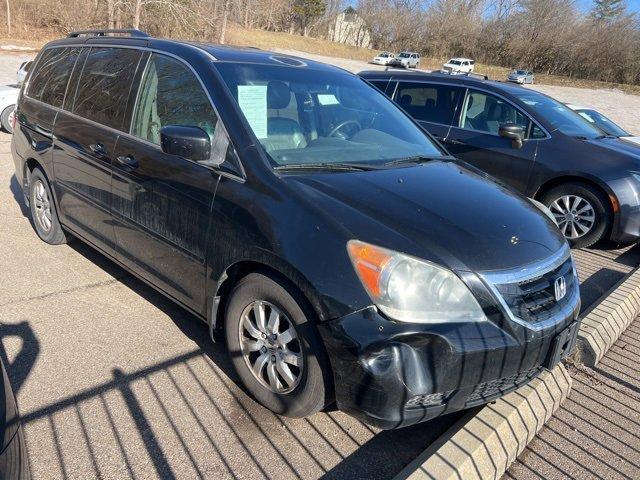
point(487, 391)
point(533, 300)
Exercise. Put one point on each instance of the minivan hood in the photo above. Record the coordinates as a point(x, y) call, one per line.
point(439, 211)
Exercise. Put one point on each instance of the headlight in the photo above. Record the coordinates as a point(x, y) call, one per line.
point(408, 289)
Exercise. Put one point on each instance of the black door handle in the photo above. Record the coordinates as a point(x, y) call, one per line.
point(127, 161)
point(99, 149)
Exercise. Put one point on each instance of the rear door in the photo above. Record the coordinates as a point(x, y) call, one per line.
point(475, 138)
point(86, 134)
point(162, 202)
point(433, 105)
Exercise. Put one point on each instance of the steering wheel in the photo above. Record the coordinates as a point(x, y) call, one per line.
point(335, 130)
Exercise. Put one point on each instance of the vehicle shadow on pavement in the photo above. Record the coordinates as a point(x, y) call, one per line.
point(18, 195)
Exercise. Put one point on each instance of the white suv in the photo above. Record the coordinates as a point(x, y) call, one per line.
point(406, 60)
point(459, 65)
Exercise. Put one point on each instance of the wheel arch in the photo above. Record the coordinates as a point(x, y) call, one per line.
point(274, 266)
point(613, 204)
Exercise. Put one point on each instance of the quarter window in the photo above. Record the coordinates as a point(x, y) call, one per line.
point(485, 113)
point(171, 94)
point(105, 83)
point(429, 103)
point(49, 81)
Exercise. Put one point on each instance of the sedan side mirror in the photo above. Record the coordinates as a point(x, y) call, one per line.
point(192, 143)
point(513, 132)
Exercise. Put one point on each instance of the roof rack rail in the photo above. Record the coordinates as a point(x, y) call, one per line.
point(132, 32)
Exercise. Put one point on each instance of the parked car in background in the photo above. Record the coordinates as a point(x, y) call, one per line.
point(384, 58)
point(406, 60)
point(8, 98)
point(535, 144)
point(14, 464)
point(23, 70)
point(605, 124)
point(342, 253)
point(459, 65)
point(521, 76)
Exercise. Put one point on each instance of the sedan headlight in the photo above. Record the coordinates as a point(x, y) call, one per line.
point(408, 289)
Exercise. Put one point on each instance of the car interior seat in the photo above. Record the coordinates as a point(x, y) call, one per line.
point(282, 133)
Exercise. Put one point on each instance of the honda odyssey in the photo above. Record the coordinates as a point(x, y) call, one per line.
point(342, 253)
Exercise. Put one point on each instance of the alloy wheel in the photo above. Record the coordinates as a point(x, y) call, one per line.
point(271, 347)
point(43, 206)
point(575, 215)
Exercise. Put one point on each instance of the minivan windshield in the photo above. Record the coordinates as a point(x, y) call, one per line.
point(559, 116)
point(316, 116)
point(404, 55)
point(455, 62)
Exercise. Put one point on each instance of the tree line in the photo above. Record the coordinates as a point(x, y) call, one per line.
point(548, 36)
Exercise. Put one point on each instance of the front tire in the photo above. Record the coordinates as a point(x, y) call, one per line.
point(581, 211)
point(4, 119)
point(44, 215)
point(275, 346)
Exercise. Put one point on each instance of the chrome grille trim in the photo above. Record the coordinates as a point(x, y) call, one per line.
point(529, 273)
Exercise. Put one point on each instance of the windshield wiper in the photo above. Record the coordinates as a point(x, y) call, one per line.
point(345, 167)
point(416, 159)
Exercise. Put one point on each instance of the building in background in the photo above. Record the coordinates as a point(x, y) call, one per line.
point(351, 29)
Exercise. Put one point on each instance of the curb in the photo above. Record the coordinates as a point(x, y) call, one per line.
point(482, 445)
point(604, 324)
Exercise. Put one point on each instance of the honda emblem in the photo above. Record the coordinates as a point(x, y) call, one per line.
point(560, 288)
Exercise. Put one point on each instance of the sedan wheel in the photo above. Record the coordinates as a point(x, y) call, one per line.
point(270, 347)
point(575, 216)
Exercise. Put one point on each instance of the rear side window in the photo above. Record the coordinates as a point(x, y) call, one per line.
point(49, 81)
point(171, 94)
point(429, 103)
point(103, 89)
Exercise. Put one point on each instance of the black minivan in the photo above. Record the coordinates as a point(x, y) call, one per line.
point(344, 254)
point(538, 146)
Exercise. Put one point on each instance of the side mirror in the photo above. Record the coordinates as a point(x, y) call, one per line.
point(192, 143)
point(513, 132)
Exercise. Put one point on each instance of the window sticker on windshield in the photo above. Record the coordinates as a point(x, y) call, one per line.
point(327, 99)
point(253, 103)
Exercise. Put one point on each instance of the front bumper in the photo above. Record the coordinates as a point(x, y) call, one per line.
point(392, 374)
point(626, 226)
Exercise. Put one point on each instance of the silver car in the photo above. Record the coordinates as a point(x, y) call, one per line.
point(521, 76)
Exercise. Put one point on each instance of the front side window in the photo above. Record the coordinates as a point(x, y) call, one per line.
point(104, 85)
point(429, 103)
point(49, 81)
point(485, 113)
point(305, 115)
point(170, 94)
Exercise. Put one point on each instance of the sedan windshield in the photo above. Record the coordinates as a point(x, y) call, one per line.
point(602, 122)
point(521, 72)
point(559, 116)
point(322, 117)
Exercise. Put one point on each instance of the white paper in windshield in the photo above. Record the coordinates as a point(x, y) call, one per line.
point(253, 103)
point(327, 99)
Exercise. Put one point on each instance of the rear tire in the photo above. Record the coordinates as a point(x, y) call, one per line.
point(291, 376)
point(4, 119)
point(582, 212)
point(44, 215)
